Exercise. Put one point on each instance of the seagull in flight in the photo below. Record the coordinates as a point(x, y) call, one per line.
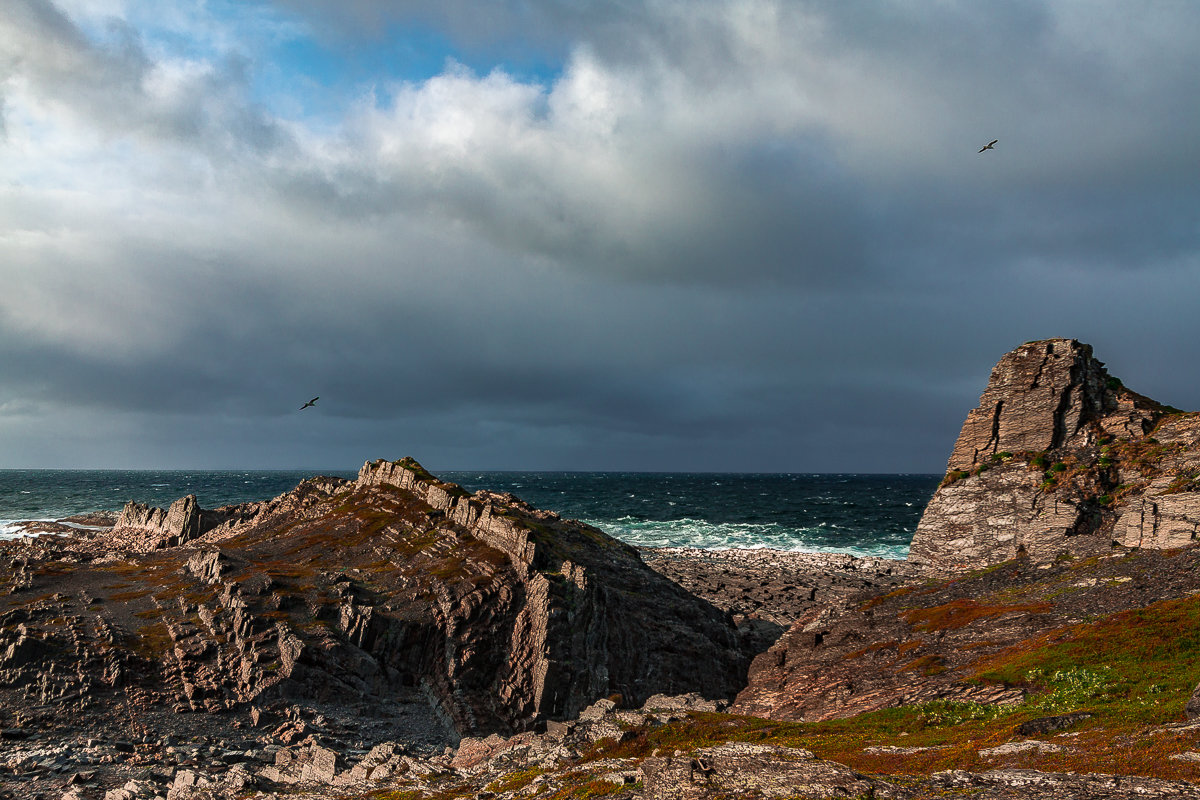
point(312, 402)
point(989, 146)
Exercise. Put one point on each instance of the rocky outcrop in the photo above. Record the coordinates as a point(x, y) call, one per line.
point(396, 599)
point(1061, 459)
point(142, 527)
point(1041, 396)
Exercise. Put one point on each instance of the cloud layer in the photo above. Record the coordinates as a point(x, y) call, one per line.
point(710, 235)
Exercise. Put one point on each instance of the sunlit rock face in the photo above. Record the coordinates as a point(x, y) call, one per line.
point(1061, 459)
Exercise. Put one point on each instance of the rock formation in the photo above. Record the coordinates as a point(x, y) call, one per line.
point(155, 528)
point(1061, 459)
point(396, 599)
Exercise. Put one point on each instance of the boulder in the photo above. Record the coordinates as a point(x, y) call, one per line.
point(1192, 709)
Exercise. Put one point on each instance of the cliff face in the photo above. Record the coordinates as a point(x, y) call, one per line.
point(1060, 458)
point(396, 597)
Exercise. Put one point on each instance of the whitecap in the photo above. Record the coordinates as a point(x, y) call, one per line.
point(707, 535)
point(11, 529)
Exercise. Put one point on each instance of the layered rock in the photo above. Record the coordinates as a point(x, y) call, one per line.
point(1041, 396)
point(149, 528)
point(395, 598)
point(1061, 459)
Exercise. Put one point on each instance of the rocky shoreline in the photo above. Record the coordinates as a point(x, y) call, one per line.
point(588, 757)
point(304, 751)
point(396, 637)
point(766, 591)
point(298, 750)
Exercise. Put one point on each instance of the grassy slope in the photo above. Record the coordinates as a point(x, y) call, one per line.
point(1133, 670)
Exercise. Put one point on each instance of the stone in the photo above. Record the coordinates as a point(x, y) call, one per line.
point(1015, 748)
point(597, 710)
point(558, 729)
point(683, 702)
point(1160, 520)
point(1192, 709)
point(474, 751)
point(130, 791)
point(142, 528)
point(1036, 785)
point(1044, 725)
point(897, 750)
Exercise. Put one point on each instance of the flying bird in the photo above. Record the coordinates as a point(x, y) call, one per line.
point(989, 146)
point(312, 402)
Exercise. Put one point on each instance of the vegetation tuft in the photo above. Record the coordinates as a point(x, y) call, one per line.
point(962, 612)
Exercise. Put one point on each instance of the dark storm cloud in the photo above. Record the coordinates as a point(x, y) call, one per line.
point(735, 235)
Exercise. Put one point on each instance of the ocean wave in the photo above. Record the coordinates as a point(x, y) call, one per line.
point(706, 535)
point(11, 528)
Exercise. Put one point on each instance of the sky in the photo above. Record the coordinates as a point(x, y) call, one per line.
point(662, 235)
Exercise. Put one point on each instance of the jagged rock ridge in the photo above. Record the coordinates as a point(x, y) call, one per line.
point(1060, 458)
point(395, 597)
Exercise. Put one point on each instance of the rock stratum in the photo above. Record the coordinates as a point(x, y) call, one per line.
point(1061, 459)
point(396, 599)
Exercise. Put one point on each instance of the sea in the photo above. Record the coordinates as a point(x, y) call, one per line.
point(862, 515)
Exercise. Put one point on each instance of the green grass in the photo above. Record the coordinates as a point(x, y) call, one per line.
point(514, 781)
point(1126, 653)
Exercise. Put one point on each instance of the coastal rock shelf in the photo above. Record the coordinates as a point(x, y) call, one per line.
point(1060, 459)
point(766, 591)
